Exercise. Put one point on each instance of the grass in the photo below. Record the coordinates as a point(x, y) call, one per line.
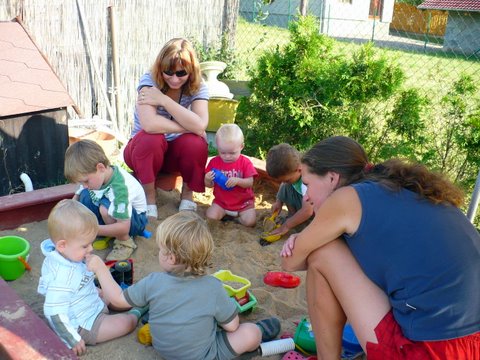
point(430, 72)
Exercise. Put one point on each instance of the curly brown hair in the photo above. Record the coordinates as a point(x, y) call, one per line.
point(346, 157)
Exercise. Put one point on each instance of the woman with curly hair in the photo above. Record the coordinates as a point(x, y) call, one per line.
point(390, 252)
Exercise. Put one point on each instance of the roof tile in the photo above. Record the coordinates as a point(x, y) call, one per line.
point(27, 81)
point(460, 5)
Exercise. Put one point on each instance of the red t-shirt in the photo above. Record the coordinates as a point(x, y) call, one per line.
point(238, 198)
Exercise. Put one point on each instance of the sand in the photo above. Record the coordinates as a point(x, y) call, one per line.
point(237, 249)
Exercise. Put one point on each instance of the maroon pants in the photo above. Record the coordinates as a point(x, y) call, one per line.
point(148, 154)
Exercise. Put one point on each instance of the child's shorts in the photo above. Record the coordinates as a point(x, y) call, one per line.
point(90, 336)
point(393, 345)
point(224, 349)
point(137, 221)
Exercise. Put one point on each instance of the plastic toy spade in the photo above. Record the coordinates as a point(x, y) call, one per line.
point(270, 224)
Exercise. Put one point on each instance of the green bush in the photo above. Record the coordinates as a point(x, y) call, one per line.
point(308, 90)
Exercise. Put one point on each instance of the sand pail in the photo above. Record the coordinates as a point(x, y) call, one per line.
point(11, 248)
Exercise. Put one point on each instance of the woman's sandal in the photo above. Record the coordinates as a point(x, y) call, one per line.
point(187, 205)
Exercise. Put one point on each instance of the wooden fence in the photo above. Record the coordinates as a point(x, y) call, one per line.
point(77, 37)
point(409, 19)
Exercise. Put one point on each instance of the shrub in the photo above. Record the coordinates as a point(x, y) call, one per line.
point(308, 90)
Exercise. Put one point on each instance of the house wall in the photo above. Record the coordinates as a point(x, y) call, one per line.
point(35, 144)
point(463, 32)
point(338, 18)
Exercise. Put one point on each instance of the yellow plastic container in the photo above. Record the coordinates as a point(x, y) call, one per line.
point(225, 276)
point(221, 111)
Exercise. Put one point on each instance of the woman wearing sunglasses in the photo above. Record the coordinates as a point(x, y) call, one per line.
point(169, 124)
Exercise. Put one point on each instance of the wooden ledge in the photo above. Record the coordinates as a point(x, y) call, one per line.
point(23, 334)
point(21, 208)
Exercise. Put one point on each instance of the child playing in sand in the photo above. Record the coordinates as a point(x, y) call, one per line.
point(72, 305)
point(237, 198)
point(111, 193)
point(185, 305)
point(283, 164)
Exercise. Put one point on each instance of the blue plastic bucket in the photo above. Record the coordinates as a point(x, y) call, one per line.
point(350, 346)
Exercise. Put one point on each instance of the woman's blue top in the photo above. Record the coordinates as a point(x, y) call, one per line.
point(425, 257)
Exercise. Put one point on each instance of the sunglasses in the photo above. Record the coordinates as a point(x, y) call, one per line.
point(180, 73)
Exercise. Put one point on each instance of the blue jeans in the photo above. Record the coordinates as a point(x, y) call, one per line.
point(137, 221)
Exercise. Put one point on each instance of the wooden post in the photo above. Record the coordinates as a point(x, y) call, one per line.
point(303, 7)
point(116, 72)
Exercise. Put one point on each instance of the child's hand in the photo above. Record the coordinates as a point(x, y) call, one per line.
point(94, 263)
point(280, 230)
point(288, 246)
point(209, 176)
point(276, 207)
point(232, 181)
point(208, 180)
point(80, 348)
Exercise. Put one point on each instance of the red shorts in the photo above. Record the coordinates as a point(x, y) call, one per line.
point(392, 345)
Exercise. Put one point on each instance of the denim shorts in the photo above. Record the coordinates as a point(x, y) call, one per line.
point(137, 221)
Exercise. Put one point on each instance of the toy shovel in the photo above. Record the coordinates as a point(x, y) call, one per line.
point(269, 223)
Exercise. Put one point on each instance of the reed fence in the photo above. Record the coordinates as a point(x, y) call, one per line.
point(100, 48)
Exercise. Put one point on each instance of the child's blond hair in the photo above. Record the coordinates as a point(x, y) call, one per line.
point(186, 236)
point(70, 218)
point(230, 133)
point(82, 158)
point(282, 159)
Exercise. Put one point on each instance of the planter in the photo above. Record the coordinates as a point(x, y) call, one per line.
point(210, 71)
point(221, 111)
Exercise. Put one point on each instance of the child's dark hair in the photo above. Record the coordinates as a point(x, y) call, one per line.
point(282, 159)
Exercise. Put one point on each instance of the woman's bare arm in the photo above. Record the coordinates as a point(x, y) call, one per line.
point(194, 120)
point(339, 214)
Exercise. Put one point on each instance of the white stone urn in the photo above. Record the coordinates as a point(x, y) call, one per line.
point(210, 70)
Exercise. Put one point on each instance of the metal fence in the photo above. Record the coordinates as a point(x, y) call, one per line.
point(433, 47)
point(439, 33)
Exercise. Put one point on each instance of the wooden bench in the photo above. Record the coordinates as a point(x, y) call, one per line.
point(23, 334)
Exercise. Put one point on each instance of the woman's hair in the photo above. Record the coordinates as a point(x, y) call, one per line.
point(346, 157)
point(186, 236)
point(230, 133)
point(82, 158)
point(70, 218)
point(282, 159)
point(175, 52)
